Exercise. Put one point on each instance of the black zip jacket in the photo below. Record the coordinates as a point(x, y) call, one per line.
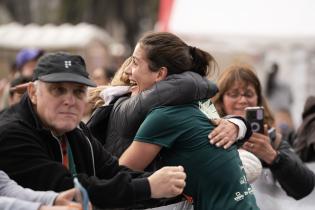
point(32, 156)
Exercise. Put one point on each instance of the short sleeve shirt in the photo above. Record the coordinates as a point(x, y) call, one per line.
point(215, 176)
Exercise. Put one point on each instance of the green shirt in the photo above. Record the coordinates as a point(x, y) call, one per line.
point(215, 176)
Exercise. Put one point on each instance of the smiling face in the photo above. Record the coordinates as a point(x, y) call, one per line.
point(60, 106)
point(140, 73)
point(238, 97)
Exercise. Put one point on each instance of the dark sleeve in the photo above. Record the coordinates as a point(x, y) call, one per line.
point(103, 195)
point(120, 191)
point(30, 163)
point(174, 90)
point(294, 177)
point(118, 186)
point(114, 185)
point(36, 166)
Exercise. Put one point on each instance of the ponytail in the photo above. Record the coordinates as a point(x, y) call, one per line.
point(201, 61)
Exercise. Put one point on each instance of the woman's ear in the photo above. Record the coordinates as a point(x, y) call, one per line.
point(162, 74)
point(31, 90)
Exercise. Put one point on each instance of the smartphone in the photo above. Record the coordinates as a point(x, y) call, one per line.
point(255, 116)
point(81, 194)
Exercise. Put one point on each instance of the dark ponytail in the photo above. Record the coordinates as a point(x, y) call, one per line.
point(201, 61)
point(167, 50)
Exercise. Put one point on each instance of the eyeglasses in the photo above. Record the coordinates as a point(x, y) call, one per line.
point(237, 95)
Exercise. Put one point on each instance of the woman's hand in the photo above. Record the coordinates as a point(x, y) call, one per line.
point(259, 144)
point(225, 134)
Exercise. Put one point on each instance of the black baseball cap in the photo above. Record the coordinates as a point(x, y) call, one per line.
point(62, 67)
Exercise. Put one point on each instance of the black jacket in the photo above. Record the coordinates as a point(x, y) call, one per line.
point(32, 156)
point(293, 176)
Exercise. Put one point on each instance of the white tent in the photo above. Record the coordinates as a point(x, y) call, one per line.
point(90, 41)
point(65, 36)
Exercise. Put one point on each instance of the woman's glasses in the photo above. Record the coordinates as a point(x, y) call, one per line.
point(235, 95)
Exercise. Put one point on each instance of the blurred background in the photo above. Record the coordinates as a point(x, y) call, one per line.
point(259, 32)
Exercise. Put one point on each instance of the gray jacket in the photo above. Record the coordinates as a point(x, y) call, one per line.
point(15, 197)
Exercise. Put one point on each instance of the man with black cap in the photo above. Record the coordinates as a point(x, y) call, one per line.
point(44, 144)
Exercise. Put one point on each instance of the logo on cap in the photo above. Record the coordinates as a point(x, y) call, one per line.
point(67, 64)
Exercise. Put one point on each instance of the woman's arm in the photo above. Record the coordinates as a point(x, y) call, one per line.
point(139, 155)
point(174, 90)
point(293, 175)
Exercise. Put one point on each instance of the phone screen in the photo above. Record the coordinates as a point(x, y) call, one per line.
point(255, 116)
point(81, 194)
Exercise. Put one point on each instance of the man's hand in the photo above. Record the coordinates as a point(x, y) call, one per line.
point(65, 197)
point(70, 207)
point(225, 134)
point(167, 182)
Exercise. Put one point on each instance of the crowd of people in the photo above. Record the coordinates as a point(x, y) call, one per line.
point(159, 133)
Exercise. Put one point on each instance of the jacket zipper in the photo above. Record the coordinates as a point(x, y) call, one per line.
point(92, 153)
point(60, 147)
point(87, 139)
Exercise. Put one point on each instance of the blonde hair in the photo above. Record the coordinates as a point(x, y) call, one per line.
point(120, 79)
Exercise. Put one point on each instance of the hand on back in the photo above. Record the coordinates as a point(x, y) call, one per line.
point(225, 134)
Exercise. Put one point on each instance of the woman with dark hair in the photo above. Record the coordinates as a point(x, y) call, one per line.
point(240, 88)
point(179, 134)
